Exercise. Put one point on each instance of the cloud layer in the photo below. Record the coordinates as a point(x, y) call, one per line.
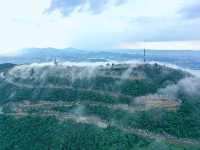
point(66, 7)
point(190, 11)
point(99, 24)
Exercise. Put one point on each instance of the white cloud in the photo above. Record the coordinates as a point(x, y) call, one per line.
point(24, 24)
point(190, 10)
point(93, 6)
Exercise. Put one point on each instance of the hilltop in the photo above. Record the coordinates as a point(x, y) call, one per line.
point(139, 101)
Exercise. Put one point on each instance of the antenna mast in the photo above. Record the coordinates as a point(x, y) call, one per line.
point(145, 51)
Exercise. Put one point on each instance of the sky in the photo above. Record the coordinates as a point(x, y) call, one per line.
point(100, 24)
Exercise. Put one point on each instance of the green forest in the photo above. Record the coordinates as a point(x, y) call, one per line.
point(39, 133)
point(102, 95)
point(104, 88)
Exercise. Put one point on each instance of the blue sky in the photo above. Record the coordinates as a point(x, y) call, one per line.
point(95, 24)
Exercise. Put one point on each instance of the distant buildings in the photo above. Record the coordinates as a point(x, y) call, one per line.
point(55, 63)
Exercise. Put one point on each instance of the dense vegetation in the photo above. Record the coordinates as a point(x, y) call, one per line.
point(185, 122)
point(36, 133)
point(140, 80)
point(5, 67)
point(104, 88)
point(50, 94)
point(109, 86)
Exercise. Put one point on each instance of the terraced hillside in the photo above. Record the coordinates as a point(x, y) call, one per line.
point(151, 101)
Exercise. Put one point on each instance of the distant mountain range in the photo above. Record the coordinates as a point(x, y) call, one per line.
point(190, 59)
point(48, 51)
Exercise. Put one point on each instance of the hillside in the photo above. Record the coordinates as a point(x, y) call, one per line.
point(117, 106)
